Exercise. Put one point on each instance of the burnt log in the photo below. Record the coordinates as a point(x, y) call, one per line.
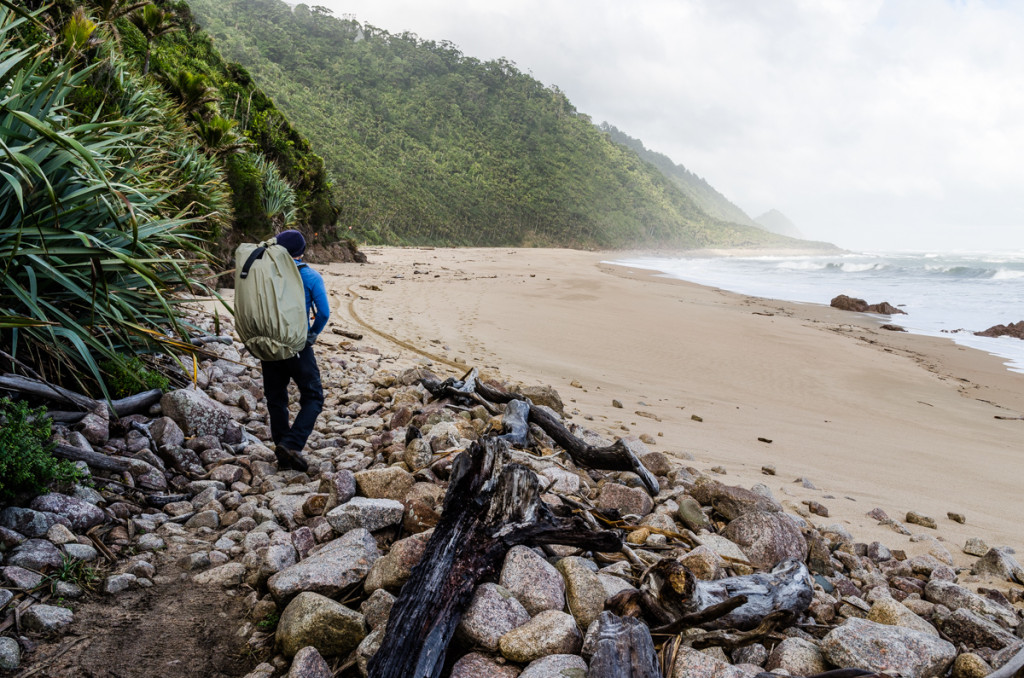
point(490, 506)
point(624, 649)
point(615, 457)
point(683, 598)
point(95, 460)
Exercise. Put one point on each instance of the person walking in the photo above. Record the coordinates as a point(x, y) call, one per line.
point(290, 438)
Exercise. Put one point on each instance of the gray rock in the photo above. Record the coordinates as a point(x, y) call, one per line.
point(5, 597)
point(81, 515)
point(532, 580)
point(879, 647)
point(556, 666)
point(704, 563)
point(264, 670)
point(308, 663)
point(10, 653)
point(726, 549)
point(975, 546)
point(998, 563)
point(209, 519)
point(273, 559)
point(627, 500)
point(19, 578)
point(954, 597)
point(584, 591)
point(81, 552)
point(9, 538)
point(340, 487)
point(117, 583)
point(691, 515)
point(47, 618)
point(732, 501)
point(368, 648)
point(392, 570)
point(368, 514)
point(767, 538)
point(391, 482)
point(60, 534)
point(798, 656)
point(166, 433)
point(915, 518)
point(337, 565)
point(895, 613)
point(377, 608)
point(550, 632)
point(150, 542)
point(692, 663)
point(226, 575)
point(36, 554)
point(32, 524)
point(198, 415)
point(311, 619)
point(965, 626)
point(493, 612)
point(477, 665)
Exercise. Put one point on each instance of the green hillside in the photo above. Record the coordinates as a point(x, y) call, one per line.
point(429, 146)
point(701, 192)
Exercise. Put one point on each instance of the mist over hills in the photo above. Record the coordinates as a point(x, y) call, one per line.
point(430, 146)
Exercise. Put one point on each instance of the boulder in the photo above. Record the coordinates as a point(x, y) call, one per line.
point(36, 554)
point(550, 632)
point(965, 626)
point(767, 539)
point(627, 500)
point(1012, 330)
point(954, 597)
point(584, 591)
point(47, 619)
point(798, 656)
point(311, 619)
point(393, 569)
point(880, 647)
point(477, 665)
point(32, 524)
point(308, 663)
point(81, 515)
point(198, 415)
point(368, 514)
point(492, 613)
point(384, 483)
point(532, 580)
point(556, 666)
point(336, 566)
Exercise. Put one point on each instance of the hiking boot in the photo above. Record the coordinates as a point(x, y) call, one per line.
point(290, 459)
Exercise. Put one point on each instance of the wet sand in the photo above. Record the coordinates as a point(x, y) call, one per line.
point(869, 417)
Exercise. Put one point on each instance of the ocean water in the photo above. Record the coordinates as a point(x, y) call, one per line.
point(946, 294)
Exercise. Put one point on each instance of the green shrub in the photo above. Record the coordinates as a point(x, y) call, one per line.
point(127, 376)
point(25, 460)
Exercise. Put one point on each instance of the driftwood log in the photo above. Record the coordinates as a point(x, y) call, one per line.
point(673, 599)
point(490, 506)
point(139, 402)
point(624, 649)
point(616, 457)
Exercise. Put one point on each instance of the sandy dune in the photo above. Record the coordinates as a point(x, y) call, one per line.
point(871, 418)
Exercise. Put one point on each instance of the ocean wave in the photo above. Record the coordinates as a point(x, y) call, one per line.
point(1008, 274)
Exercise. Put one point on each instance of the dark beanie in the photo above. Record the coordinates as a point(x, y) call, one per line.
point(292, 241)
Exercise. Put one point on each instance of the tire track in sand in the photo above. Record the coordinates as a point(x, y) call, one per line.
point(355, 296)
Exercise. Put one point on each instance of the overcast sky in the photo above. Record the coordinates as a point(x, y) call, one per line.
point(874, 124)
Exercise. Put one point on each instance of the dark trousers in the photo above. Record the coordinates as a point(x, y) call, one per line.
point(276, 375)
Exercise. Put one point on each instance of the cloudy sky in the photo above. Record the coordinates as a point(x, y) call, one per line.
point(874, 124)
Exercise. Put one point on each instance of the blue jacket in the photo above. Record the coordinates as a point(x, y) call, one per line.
point(316, 297)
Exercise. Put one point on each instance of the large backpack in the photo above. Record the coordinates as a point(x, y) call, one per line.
point(270, 301)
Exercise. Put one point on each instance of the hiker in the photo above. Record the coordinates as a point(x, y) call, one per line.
point(289, 439)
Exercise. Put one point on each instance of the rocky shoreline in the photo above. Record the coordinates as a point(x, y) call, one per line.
point(314, 560)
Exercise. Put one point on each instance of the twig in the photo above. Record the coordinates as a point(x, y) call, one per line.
point(57, 655)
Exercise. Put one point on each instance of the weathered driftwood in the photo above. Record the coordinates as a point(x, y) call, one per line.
point(673, 599)
point(615, 457)
point(139, 402)
point(624, 649)
point(489, 507)
point(94, 459)
point(1011, 669)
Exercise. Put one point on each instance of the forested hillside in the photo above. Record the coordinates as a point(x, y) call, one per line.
point(429, 146)
point(701, 192)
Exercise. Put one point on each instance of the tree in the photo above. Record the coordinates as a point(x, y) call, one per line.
point(152, 22)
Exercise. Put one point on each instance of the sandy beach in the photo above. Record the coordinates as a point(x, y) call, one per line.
point(857, 417)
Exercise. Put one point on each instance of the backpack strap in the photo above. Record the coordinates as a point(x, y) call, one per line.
point(256, 255)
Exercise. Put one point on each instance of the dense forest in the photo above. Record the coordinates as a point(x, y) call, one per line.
point(131, 158)
point(429, 146)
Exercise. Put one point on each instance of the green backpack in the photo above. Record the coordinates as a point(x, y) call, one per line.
point(270, 301)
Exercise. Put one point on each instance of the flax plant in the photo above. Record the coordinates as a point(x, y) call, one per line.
point(93, 253)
